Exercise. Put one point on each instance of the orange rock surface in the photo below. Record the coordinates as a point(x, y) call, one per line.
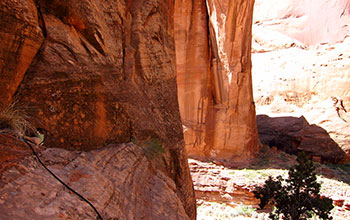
point(96, 73)
point(21, 38)
point(213, 43)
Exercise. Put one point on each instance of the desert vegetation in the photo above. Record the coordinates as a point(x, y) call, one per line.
point(14, 117)
point(333, 179)
point(297, 197)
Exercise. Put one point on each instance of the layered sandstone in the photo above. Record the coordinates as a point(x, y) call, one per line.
point(21, 38)
point(119, 180)
point(101, 72)
point(304, 72)
point(213, 44)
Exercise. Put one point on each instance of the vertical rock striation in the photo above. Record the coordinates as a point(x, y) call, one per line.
point(213, 43)
point(100, 72)
point(21, 38)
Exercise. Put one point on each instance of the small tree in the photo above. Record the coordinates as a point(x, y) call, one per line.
point(297, 197)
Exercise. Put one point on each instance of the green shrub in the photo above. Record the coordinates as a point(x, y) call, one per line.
point(296, 198)
point(152, 146)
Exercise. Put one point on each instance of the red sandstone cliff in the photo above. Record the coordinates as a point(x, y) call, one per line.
point(95, 73)
point(213, 44)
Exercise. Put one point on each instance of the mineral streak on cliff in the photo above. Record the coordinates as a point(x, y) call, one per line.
point(21, 38)
point(97, 73)
point(213, 43)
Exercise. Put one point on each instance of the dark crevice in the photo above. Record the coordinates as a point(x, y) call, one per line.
point(41, 21)
point(85, 46)
point(91, 38)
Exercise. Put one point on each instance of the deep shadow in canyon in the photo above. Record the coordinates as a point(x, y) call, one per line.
point(294, 134)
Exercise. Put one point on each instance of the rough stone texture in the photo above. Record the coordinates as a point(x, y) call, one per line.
point(293, 79)
point(293, 134)
point(21, 38)
point(90, 78)
point(105, 73)
point(11, 156)
point(119, 180)
point(215, 183)
point(213, 41)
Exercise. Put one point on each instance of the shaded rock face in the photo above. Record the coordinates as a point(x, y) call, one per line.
point(293, 134)
point(90, 78)
point(21, 38)
point(119, 180)
point(103, 72)
point(213, 41)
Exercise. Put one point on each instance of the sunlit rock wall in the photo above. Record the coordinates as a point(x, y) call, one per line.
point(301, 67)
point(213, 43)
point(309, 21)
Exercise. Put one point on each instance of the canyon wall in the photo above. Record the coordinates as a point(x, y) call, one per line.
point(95, 73)
point(301, 71)
point(309, 21)
point(21, 38)
point(213, 44)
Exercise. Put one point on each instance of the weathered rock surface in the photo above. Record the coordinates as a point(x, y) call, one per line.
point(214, 183)
point(105, 73)
point(90, 78)
point(213, 44)
point(21, 38)
point(12, 151)
point(296, 80)
point(293, 134)
point(119, 180)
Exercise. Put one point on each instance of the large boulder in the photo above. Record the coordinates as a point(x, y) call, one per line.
point(213, 44)
point(293, 134)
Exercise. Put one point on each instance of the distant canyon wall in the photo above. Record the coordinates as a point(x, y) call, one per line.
point(213, 45)
point(309, 21)
point(317, 34)
point(301, 70)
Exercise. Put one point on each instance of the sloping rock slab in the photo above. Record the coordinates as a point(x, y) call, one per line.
point(119, 180)
point(11, 151)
